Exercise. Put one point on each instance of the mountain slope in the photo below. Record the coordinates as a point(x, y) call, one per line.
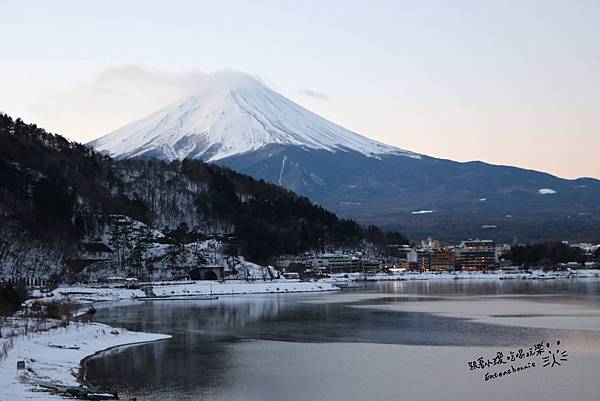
point(238, 122)
point(430, 196)
point(232, 114)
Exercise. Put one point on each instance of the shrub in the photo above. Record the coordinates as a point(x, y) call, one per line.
point(11, 297)
point(60, 310)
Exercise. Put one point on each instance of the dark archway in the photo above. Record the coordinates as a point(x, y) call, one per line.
point(196, 274)
point(210, 275)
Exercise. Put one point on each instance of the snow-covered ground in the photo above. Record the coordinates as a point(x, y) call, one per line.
point(459, 275)
point(91, 293)
point(422, 212)
point(85, 294)
point(240, 287)
point(55, 355)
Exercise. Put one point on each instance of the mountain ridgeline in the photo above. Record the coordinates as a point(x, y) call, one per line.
point(54, 193)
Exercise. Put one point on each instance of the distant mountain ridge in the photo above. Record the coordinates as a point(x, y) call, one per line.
point(236, 121)
point(433, 197)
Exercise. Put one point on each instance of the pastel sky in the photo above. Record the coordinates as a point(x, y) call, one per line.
point(508, 82)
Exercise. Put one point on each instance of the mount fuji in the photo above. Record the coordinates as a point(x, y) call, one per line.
point(232, 114)
point(237, 121)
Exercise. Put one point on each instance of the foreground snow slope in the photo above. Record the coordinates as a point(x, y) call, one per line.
point(55, 356)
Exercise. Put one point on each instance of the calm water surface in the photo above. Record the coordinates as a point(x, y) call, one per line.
point(340, 346)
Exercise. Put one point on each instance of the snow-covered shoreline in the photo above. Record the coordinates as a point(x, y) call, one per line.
point(93, 293)
point(86, 294)
point(55, 356)
point(203, 288)
point(460, 275)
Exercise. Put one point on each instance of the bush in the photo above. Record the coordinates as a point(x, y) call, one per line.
point(11, 297)
point(60, 310)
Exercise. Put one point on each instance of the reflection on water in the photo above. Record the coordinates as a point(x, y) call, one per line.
point(210, 343)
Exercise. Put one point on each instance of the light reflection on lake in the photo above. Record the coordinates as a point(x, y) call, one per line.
point(330, 346)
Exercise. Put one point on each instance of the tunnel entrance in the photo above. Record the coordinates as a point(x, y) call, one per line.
point(210, 275)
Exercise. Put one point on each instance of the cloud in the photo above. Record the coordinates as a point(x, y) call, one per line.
point(119, 95)
point(315, 95)
point(112, 98)
point(134, 78)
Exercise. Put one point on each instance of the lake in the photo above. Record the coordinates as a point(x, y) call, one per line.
point(415, 340)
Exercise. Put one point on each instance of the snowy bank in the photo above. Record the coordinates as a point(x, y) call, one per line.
point(85, 294)
point(460, 275)
point(203, 288)
point(89, 293)
point(55, 355)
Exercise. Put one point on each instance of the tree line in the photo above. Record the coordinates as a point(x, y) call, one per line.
point(547, 254)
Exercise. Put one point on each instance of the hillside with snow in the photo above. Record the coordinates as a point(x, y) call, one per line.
point(68, 211)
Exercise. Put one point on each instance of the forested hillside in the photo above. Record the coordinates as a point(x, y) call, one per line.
point(56, 195)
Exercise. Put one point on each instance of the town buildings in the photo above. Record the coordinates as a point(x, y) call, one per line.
point(428, 255)
point(433, 255)
point(442, 259)
point(317, 264)
point(477, 255)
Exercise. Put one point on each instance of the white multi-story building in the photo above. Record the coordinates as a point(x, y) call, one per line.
point(285, 261)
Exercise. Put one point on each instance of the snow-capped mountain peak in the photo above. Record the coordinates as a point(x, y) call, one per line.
point(233, 113)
